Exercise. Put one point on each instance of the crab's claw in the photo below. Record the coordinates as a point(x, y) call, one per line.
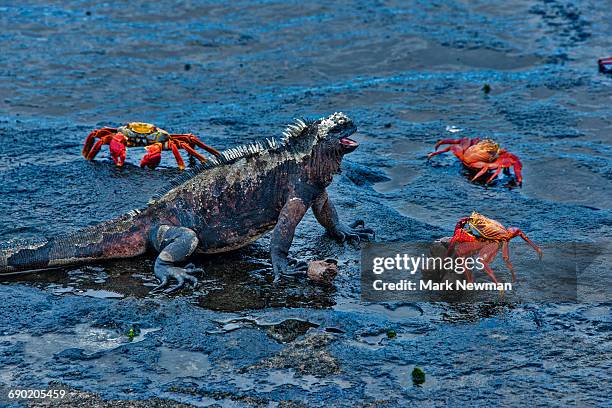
point(517, 172)
point(153, 156)
point(117, 148)
point(509, 159)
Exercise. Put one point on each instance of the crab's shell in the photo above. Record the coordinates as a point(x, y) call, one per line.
point(141, 127)
point(485, 151)
point(486, 227)
point(143, 134)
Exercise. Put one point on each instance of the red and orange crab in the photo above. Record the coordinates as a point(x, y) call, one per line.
point(152, 138)
point(481, 155)
point(483, 236)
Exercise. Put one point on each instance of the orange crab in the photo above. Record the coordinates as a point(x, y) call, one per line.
point(484, 236)
point(152, 138)
point(481, 155)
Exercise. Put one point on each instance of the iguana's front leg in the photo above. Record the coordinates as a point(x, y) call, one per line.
point(282, 235)
point(325, 212)
point(175, 245)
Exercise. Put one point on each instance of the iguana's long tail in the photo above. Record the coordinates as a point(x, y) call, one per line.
point(123, 237)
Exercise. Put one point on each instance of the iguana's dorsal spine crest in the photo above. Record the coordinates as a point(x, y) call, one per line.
point(231, 155)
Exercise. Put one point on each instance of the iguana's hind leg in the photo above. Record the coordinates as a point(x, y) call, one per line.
point(175, 245)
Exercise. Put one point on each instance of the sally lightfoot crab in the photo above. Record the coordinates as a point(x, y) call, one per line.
point(152, 138)
point(483, 237)
point(481, 155)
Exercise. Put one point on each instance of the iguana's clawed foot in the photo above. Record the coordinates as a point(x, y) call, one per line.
point(165, 272)
point(290, 267)
point(354, 232)
point(297, 265)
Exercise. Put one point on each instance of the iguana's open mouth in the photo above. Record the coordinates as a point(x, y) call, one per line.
point(347, 141)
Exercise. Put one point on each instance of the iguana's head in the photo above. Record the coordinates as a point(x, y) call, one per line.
point(333, 134)
point(330, 135)
point(324, 143)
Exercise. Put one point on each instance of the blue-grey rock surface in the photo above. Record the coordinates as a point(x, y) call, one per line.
point(407, 73)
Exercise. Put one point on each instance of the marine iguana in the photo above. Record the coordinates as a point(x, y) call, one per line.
point(222, 205)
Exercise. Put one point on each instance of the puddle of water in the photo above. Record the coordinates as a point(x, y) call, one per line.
point(84, 337)
point(412, 149)
point(394, 312)
point(183, 363)
point(374, 339)
point(60, 290)
point(400, 176)
point(101, 294)
point(381, 339)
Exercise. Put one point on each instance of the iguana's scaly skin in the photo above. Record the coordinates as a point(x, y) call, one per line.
point(226, 204)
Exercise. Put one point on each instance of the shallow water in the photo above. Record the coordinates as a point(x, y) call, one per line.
point(407, 73)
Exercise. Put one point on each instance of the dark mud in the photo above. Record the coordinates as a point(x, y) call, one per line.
point(406, 73)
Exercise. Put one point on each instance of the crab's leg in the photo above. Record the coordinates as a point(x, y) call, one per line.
point(518, 167)
point(467, 250)
point(96, 133)
point(506, 256)
point(188, 137)
point(468, 275)
point(437, 152)
point(204, 146)
point(517, 174)
point(488, 254)
point(517, 232)
point(89, 143)
point(177, 154)
point(191, 151)
point(96, 149)
point(490, 272)
point(495, 174)
point(447, 141)
point(484, 167)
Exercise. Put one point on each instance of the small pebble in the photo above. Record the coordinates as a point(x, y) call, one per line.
point(322, 271)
